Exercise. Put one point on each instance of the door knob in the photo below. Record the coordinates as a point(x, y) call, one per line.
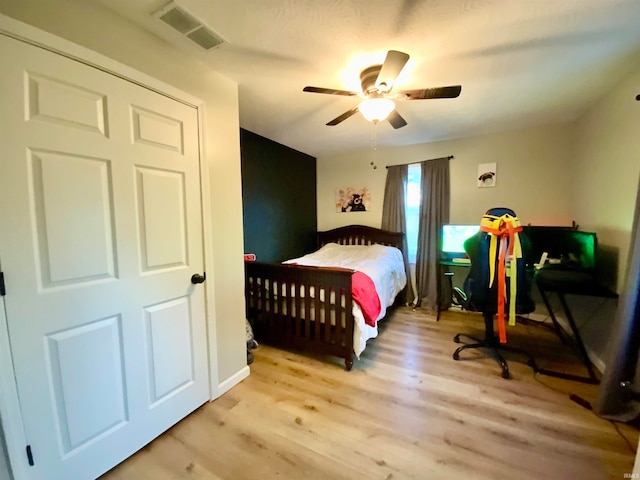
point(197, 278)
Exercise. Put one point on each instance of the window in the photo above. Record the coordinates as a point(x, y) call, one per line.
point(412, 206)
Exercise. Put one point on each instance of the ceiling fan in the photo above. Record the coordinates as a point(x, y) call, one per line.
point(377, 82)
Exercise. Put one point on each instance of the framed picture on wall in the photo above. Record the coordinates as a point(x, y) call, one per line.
point(353, 199)
point(487, 175)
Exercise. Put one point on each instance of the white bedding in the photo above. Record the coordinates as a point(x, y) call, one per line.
point(383, 264)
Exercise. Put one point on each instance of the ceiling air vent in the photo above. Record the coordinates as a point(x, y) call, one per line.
point(186, 24)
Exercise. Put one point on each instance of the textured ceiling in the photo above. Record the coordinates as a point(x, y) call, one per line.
point(520, 62)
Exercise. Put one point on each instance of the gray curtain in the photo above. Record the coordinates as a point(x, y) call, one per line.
point(620, 386)
point(434, 212)
point(393, 215)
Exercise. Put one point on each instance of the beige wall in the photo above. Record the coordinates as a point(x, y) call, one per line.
point(532, 171)
point(98, 29)
point(606, 170)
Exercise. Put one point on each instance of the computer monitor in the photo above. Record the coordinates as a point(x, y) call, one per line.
point(573, 249)
point(453, 238)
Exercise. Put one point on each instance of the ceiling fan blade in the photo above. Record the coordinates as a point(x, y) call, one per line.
point(428, 93)
point(343, 117)
point(393, 64)
point(330, 91)
point(396, 120)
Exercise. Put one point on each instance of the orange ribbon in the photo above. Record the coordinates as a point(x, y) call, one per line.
point(504, 238)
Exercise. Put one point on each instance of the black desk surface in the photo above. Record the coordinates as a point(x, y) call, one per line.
point(558, 279)
point(572, 282)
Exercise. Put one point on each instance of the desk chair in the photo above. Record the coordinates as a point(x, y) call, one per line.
point(499, 232)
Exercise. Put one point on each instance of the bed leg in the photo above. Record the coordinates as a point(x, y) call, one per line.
point(348, 363)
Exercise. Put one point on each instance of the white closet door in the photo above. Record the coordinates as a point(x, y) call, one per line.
point(101, 232)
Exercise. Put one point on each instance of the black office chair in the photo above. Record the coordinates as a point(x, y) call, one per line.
point(501, 227)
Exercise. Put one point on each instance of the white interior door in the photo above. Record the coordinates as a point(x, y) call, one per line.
point(100, 234)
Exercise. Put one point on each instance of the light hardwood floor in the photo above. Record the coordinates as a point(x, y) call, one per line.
point(407, 410)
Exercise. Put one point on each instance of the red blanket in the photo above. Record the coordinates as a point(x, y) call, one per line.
point(364, 292)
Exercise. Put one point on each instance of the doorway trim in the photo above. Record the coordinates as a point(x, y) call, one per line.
point(10, 409)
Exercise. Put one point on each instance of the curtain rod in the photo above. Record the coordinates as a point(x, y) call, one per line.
point(410, 163)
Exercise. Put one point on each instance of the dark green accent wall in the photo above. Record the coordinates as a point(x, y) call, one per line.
point(278, 199)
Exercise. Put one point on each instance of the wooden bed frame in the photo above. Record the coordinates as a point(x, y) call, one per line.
point(283, 315)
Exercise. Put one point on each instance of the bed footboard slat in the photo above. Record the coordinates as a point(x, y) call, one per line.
point(317, 310)
point(329, 319)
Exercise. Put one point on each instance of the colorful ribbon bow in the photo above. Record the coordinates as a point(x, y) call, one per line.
point(503, 231)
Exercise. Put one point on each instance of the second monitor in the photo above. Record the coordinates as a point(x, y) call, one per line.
point(453, 238)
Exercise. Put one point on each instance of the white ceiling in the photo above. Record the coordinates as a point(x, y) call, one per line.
point(520, 62)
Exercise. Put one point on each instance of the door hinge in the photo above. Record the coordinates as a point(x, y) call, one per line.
point(3, 290)
point(30, 456)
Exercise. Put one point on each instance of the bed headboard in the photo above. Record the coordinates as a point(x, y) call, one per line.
point(360, 235)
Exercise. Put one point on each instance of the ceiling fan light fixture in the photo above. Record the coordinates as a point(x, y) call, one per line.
point(377, 82)
point(376, 109)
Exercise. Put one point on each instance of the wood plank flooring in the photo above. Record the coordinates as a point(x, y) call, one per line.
point(407, 410)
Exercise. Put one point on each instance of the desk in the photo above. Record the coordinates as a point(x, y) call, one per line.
point(563, 282)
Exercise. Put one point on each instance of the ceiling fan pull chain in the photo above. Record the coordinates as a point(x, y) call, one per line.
point(374, 145)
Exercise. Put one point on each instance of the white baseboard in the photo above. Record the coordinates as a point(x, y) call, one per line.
point(597, 361)
point(538, 317)
point(232, 381)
